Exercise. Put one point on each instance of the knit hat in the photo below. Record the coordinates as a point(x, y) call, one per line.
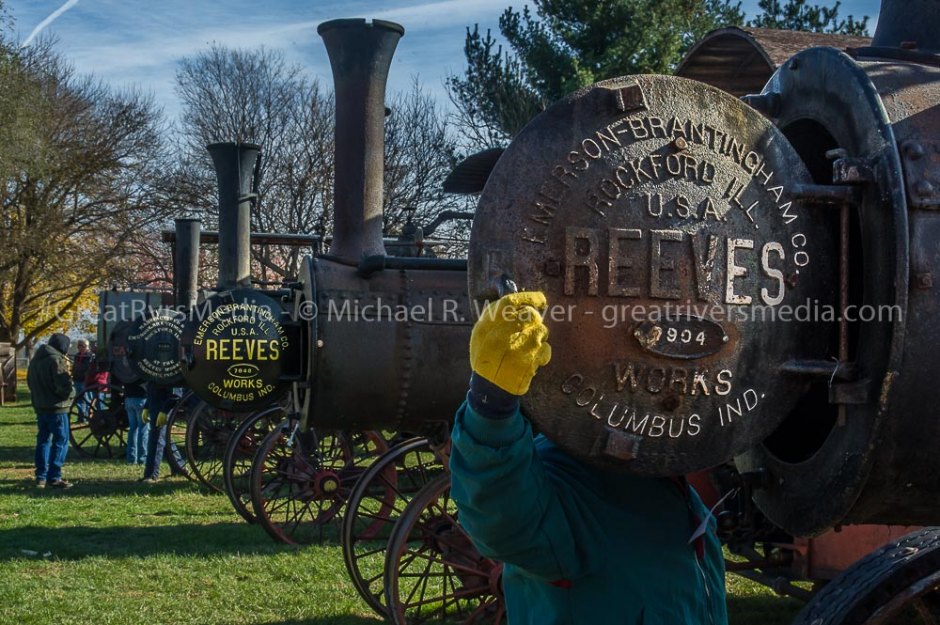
point(60, 342)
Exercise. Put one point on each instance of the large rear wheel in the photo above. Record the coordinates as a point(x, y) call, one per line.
point(98, 423)
point(433, 573)
point(300, 481)
point(239, 454)
point(375, 505)
point(898, 584)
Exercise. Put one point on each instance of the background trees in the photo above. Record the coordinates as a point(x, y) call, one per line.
point(256, 96)
point(568, 44)
point(79, 172)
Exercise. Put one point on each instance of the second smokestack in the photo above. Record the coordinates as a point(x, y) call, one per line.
point(360, 54)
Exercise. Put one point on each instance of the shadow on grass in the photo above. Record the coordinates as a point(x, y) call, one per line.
point(95, 487)
point(76, 543)
point(766, 610)
point(331, 620)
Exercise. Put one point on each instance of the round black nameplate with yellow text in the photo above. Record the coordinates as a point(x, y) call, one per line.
point(234, 350)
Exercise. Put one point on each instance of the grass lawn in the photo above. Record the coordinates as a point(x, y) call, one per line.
point(113, 551)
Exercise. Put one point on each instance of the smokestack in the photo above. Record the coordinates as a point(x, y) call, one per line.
point(236, 169)
point(186, 263)
point(911, 24)
point(360, 53)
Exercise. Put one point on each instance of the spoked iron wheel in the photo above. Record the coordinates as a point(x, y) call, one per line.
point(898, 584)
point(300, 481)
point(176, 423)
point(97, 423)
point(239, 454)
point(433, 573)
point(375, 505)
point(207, 434)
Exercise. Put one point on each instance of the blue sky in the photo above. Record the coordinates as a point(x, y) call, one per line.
point(140, 41)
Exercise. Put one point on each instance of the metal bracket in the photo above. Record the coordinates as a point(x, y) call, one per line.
point(921, 165)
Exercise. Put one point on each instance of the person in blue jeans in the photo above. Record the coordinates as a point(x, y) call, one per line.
point(138, 433)
point(160, 401)
point(51, 392)
point(579, 544)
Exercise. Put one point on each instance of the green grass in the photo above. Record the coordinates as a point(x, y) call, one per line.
point(113, 551)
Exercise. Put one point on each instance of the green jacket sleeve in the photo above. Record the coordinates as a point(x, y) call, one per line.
point(517, 507)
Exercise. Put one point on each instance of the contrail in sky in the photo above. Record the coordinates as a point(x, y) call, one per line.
point(52, 17)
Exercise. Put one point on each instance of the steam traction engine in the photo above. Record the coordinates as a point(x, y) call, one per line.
point(678, 234)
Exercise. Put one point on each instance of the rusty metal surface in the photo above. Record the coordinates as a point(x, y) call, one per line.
point(470, 174)
point(236, 170)
point(657, 214)
point(186, 262)
point(905, 481)
point(257, 238)
point(908, 24)
point(820, 461)
point(741, 60)
point(360, 54)
point(7, 374)
point(389, 350)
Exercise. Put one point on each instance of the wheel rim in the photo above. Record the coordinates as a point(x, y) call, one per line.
point(207, 435)
point(433, 571)
point(239, 454)
point(177, 423)
point(296, 493)
point(375, 505)
point(101, 435)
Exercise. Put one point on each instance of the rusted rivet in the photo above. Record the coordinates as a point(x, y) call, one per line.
point(680, 144)
point(924, 188)
point(913, 150)
point(552, 268)
point(924, 280)
point(791, 280)
point(629, 98)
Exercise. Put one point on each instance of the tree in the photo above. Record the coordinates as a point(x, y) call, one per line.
point(256, 96)
point(80, 166)
point(798, 15)
point(569, 44)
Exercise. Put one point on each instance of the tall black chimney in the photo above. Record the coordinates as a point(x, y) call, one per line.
point(236, 171)
point(360, 53)
point(186, 263)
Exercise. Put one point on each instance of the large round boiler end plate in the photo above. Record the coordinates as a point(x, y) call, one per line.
point(683, 278)
point(235, 350)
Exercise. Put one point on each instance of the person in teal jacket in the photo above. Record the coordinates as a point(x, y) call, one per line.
point(580, 545)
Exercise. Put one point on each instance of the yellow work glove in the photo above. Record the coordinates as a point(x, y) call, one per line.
point(161, 419)
point(509, 342)
point(145, 415)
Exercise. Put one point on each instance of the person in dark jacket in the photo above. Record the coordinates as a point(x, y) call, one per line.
point(579, 545)
point(51, 390)
point(81, 362)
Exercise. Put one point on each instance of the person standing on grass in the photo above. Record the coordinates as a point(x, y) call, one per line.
point(138, 432)
point(160, 400)
point(81, 362)
point(51, 391)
